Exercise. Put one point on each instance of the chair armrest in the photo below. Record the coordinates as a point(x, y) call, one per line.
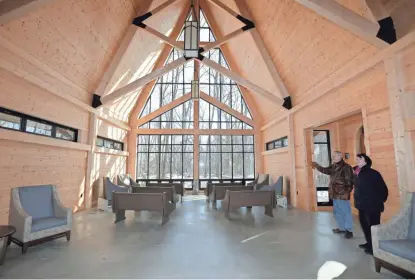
point(396, 228)
point(59, 210)
point(18, 217)
point(135, 185)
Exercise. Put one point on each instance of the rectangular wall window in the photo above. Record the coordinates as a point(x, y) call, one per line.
point(276, 144)
point(10, 119)
point(109, 144)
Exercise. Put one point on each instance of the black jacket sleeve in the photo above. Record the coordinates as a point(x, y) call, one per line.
point(382, 188)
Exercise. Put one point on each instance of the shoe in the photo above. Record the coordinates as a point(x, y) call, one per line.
point(369, 251)
point(336, 230)
point(364, 246)
point(348, 234)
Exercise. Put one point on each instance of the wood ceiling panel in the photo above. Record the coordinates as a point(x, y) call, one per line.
point(75, 38)
point(305, 47)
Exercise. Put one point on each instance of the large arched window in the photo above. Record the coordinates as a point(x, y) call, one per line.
point(180, 145)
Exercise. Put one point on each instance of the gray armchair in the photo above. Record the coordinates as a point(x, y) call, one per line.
point(105, 202)
point(260, 180)
point(394, 242)
point(125, 180)
point(38, 216)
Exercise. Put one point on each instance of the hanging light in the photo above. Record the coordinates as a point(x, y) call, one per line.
point(191, 36)
point(195, 90)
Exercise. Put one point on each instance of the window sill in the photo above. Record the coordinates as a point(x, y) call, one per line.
point(17, 136)
point(276, 151)
point(113, 152)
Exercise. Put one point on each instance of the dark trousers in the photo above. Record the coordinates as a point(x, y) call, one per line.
point(367, 220)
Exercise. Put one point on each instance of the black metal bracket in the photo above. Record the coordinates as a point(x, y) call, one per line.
point(96, 101)
point(287, 103)
point(139, 20)
point(387, 31)
point(249, 24)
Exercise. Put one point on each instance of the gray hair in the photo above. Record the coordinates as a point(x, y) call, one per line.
point(338, 153)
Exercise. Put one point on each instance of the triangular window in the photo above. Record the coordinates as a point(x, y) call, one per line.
point(180, 117)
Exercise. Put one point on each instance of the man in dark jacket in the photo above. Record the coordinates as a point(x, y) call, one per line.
point(369, 195)
point(340, 187)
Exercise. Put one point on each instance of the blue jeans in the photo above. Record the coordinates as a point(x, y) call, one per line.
point(343, 214)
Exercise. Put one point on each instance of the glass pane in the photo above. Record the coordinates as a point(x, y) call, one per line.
point(204, 166)
point(215, 139)
point(143, 139)
point(153, 166)
point(237, 148)
point(176, 166)
point(187, 165)
point(226, 165)
point(238, 165)
point(100, 142)
point(188, 148)
point(204, 35)
point(320, 136)
point(323, 196)
point(38, 128)
point(108, 144)
point(226, 95)
point(249, 165)
point(248, 139)
point(226, 148)
point(177, 139)
point(249, 148)
point(215, 162)
point(9, 121)
point(165, 163)
point(203, 139)
point(142, 148)
point(142, 165)
point(215, 148)
point(237, 139)
point(188, 139)
point(118, 146)
point(177, 148)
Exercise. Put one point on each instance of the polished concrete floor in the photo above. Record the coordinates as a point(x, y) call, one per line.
point(197, 242)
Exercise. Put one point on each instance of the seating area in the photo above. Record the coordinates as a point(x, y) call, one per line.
point(207, 139)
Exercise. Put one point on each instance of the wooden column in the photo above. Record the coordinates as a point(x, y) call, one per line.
point(89, 180)
point(402, 109)
point(132, 154)
point(291, 146)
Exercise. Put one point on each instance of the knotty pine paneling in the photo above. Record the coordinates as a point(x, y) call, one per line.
point(24, 164)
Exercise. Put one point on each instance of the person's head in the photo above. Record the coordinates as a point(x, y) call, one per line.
point(362, 160)
point(336, 156)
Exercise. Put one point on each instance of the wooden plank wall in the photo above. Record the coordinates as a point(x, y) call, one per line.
point(61, 49)
point(369, 91)
point(276, 162)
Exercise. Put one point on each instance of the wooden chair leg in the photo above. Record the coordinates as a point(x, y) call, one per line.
point(25, 246)
point(378, 265)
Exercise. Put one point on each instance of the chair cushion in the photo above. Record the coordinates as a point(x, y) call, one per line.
point(37, 201)
point(46, 223)
point(403, 248)
point(411, 230)
point(277, 187)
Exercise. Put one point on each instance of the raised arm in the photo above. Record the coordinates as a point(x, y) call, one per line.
point(324, 170)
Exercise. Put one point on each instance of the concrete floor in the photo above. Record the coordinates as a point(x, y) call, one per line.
point(197, 242)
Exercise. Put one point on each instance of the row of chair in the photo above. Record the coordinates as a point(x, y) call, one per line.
point(128, 195)
point(236, 195)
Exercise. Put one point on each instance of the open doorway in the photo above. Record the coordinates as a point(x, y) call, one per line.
point(344, 134)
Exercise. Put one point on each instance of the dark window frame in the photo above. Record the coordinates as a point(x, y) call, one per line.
point(110, 140)
point(327, 142)
point(274, 143)
point(159, 144)
point(23, 125)
point(209, 152)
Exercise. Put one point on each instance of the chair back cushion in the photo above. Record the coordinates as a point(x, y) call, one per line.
point(124, 179)
point(263, 179)
point(37, 201)
point(411, 230)
point(109, 187)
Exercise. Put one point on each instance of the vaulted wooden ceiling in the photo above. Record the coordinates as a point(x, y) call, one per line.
point(79, 38)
